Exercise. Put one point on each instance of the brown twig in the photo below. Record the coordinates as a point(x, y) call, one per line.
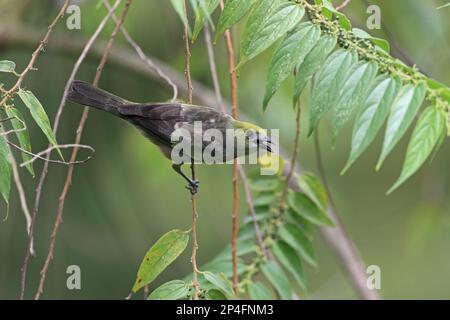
point(187, 72)
point(36, 156)
point(245, 183)
point(343, 5)
point(22, 196)
point(234, 113)
point(85, 49)
point(294, 156)
point(80, 128)
point(34, 56)
point(336, 238)
point(149, 62)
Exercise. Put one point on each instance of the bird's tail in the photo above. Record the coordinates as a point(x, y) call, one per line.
point(86, 94)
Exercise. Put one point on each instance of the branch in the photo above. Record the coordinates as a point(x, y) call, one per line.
point(34, 56)
point(234, 114)
point(47, 151)
point(122, 57)
point(187, 72)
point(149, 62)
point(83, 120)
point(343, 5)
point(337, 236)
point(245, 182)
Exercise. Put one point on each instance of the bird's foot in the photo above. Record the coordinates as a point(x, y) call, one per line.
point(193, 186)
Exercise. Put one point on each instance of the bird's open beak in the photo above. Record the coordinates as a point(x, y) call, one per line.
point(267, 144)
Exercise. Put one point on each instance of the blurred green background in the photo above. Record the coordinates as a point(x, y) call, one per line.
point(124, 199)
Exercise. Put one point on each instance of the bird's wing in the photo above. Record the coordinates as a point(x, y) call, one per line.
point(155, 120)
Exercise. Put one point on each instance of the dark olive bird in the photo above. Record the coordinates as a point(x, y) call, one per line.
point(158, 121)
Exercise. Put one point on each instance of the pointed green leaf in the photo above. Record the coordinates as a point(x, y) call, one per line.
point(232, 13)
point(39, 115)
point(301, 223)
point(298, 241)
point(264, 184)
point(22, 135)
point(306, 208)
point(7, 66)
point(5, 169)
point(380, 43)
point(403, 111)
point(291, 52)
point(268, 28)
point(329, 11)
point(161, 255)
point(201, 16)
point(426, 134)
point(372, 116)
point(314, 189)
point(172, 290)
point(215, 294)
point(258, 291)
point(313, 61)
point(273, 272)
point(353, 93)
point(180, 9)
point(291, 261)
point(264, 199)
point(221, 283)
point(328, 84)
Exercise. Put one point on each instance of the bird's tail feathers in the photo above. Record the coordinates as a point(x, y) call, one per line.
point(86, 94)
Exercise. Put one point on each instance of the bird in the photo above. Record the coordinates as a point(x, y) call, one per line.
point(160, 121)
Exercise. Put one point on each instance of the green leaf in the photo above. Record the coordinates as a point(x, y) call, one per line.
point(268, 28)
point(161, 255)
point(424, 138)
point(329, 11)
point(313, 61)
point(172, 290)
point(39, 115)
point(215, 294)
point(201, 16)
point(297, 240)
point(273, 272)
point(7, 66)
point(264, 184)
point(291, 261)
point(353, 93)
point(264, 199)
point(372, 116)
point(314, 189)
point(5, 169)
point(221, 283)
point(327, 87)
point(291, 52)
point(304, 225)
point(306, 208)
point(380, 43)
point(258, 291)
point(402, 114)
point(22, 135)
point(232, 13)
point(180, 9)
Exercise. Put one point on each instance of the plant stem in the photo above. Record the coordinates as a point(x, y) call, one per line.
point(187, 54)
point(73, 157)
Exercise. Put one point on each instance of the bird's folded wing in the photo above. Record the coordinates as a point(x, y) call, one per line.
point(155, 120)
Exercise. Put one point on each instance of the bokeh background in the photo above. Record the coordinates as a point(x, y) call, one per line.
point(124, 199)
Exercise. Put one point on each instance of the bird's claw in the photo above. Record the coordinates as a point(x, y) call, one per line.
point(193, 186)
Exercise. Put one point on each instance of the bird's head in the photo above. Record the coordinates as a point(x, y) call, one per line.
point(256, 137)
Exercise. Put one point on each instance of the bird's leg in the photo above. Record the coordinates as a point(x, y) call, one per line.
point(192, 184)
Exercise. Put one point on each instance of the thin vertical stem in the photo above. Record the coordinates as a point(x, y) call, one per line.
point(187, 52)
point(234, 113)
